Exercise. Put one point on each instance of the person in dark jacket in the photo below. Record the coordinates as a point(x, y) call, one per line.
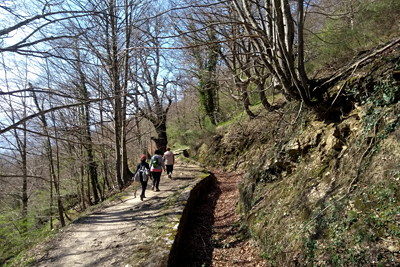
point(144, 171)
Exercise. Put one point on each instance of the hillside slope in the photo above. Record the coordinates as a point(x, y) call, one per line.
point(321, 184)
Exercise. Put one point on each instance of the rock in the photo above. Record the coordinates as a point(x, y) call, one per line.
point(333, 143)
point(185, 153)
point(393, 249)
point(294, 149)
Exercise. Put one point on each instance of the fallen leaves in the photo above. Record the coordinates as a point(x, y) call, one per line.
point(214, 237)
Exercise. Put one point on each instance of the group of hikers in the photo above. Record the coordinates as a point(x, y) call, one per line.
point(158, 163)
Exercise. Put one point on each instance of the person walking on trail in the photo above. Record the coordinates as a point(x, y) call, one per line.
point(169, 161)
point(142, 174)
point(156, 167)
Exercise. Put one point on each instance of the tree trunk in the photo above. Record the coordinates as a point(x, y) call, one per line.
point(82, 187)
point(57, 174)
point(92, 165)
point(116, 93)
point(85, 122)
point(89, 198)
point(103, 151)
point(24, 183)
point(22, 149)
point(263, 97)
point(124, 153)
point(52, 173)
point(161, 140)
point(246, 103)
point(300, 45)
point(274, 42)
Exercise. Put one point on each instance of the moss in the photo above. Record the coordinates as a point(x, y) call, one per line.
point(353, 80)
point(395, 228)
point(203, 175)
point(352, 216)
point(305, 213)
point(334, 90)
point(172, 236)
point(142, 253)
point(320, 171)
point(359, 204)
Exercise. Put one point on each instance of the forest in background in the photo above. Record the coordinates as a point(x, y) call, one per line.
point(89, 86)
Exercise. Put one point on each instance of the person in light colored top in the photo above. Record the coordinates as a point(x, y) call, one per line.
point(156, 167)
point(169, 161)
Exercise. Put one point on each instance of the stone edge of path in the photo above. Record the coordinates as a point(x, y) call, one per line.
point(168, 245)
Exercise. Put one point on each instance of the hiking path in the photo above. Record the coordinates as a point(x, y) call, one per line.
point(124, 232)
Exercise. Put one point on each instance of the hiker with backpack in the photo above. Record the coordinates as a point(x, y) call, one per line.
point(156, 168)
point(169, 161)
point(142, 174)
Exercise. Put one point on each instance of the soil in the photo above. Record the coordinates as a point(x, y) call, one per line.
point(215, 236)
point(124, 232)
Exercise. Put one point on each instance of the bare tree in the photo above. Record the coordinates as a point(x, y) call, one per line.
point(150, 81)
point(201, 61)
point(239, 61)
point(54, 178)
point(32, 25)
point(83, 93)
point(107, 45)
point(20, 137)
point(271, 25)
point(150, 96)
point(269, 34)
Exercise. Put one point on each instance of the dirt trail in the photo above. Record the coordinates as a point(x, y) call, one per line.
point(120, 234)
point(214, 237)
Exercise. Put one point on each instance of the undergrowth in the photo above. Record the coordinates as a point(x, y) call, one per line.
point(341, 210)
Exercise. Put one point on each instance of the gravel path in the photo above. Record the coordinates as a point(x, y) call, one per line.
point(121, 234)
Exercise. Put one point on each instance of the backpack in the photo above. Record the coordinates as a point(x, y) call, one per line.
point(142, 173)
point(155, 163)
point(142, 169)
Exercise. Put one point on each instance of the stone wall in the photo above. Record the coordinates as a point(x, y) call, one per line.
point(184, 207)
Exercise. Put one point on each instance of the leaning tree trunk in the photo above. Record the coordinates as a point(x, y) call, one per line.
point(162, 139)
point(246, 104)
point(263, 97)
point(244, 95)
point(275, 43)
